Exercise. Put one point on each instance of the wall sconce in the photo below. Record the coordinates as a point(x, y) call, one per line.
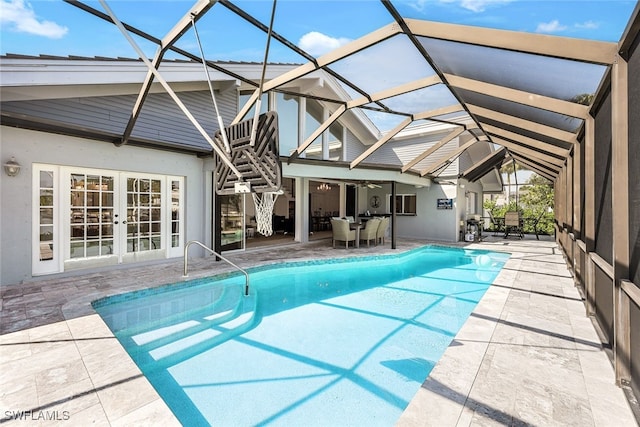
point(12, 168)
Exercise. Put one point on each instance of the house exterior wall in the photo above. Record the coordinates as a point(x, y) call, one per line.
point(429, 223)
point(31, 147)
point(353, 147)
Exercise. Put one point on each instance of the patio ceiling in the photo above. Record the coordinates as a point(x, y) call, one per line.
point(528, 93)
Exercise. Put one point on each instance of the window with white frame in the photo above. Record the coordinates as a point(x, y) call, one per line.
point(472, 201)
point(46, 226)
point(405, 204)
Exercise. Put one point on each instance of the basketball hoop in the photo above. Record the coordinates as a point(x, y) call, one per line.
point(264, 203)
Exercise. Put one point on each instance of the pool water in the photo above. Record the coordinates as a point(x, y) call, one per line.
point(337, 342)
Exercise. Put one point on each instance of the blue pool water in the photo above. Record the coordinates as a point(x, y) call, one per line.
point(337, 342)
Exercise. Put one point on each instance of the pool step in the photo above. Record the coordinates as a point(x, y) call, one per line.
point(200, 337)
point(196, 322)
point(226, 300)
point(183, 341)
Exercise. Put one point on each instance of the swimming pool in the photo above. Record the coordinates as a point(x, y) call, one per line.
point(335, 342)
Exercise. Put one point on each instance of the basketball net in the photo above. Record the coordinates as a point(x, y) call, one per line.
point(264, 203)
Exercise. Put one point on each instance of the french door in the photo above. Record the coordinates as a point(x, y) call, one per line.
point(100, 217)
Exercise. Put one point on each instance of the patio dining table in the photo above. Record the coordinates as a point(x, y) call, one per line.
point(356, 226)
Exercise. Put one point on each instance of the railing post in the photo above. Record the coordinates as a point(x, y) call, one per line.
point(203, 246)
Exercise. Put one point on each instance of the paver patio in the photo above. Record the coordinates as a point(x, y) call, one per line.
point(528, 355)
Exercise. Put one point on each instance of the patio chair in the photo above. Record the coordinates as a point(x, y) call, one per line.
point(341, 232)
point(535, 224)
point(370, 231)
point(513, 224)
point(382, 229)
point(496, 224)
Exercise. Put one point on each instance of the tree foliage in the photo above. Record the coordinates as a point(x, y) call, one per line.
point(536, 201)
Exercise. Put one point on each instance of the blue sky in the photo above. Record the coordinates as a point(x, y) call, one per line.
point(55, 28)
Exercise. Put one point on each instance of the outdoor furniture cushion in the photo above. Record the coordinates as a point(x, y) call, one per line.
point(341, 232)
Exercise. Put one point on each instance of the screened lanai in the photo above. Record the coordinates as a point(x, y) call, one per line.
point(528, 93)
point(565, 108)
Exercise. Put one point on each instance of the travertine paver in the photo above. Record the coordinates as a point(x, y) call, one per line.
point(542, 363)
point(528, 355)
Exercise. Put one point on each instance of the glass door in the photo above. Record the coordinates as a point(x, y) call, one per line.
point(232, 221)
point(87, 218)
point(91, 216)
point(143, 221)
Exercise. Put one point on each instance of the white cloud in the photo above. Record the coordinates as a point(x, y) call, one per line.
point(479, 5)
point(19, 15)
point(317, 44)
point(588, 25)
point(472, 5)
point(550, 27)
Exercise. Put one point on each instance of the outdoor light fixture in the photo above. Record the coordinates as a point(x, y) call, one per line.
point(323, 187)
point(12, 168)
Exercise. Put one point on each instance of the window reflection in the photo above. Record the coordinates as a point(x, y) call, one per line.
point(335, 141)
point(143, 222)
point(287, 107)
point(313, 120)
point(175, 214)
point(91, 216)
point(406, 204)
point(232, 221)
point(46, 224)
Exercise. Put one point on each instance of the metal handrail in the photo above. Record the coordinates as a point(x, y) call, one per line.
point(203, 246)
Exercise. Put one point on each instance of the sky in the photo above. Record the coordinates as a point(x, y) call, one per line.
point(52, 27)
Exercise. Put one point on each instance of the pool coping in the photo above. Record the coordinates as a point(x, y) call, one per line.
point(79, 370)
point(455, 392)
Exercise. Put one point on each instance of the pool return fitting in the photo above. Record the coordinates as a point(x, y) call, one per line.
point(211, 251)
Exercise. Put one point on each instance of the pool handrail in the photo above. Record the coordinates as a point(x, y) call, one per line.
point(203, 246)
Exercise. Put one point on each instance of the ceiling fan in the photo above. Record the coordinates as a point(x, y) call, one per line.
point(368, 184)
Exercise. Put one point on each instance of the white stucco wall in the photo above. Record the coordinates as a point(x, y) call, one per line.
point(429, 223)
point(30, 147)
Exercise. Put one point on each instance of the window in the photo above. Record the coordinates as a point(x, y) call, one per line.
point(46, 229)
point(313, 120)
point(472, 203)
point(176, 216)
point(232, 221)
point(405, 204)
point(287, 107)
point(336, 132)
point(244, 97)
